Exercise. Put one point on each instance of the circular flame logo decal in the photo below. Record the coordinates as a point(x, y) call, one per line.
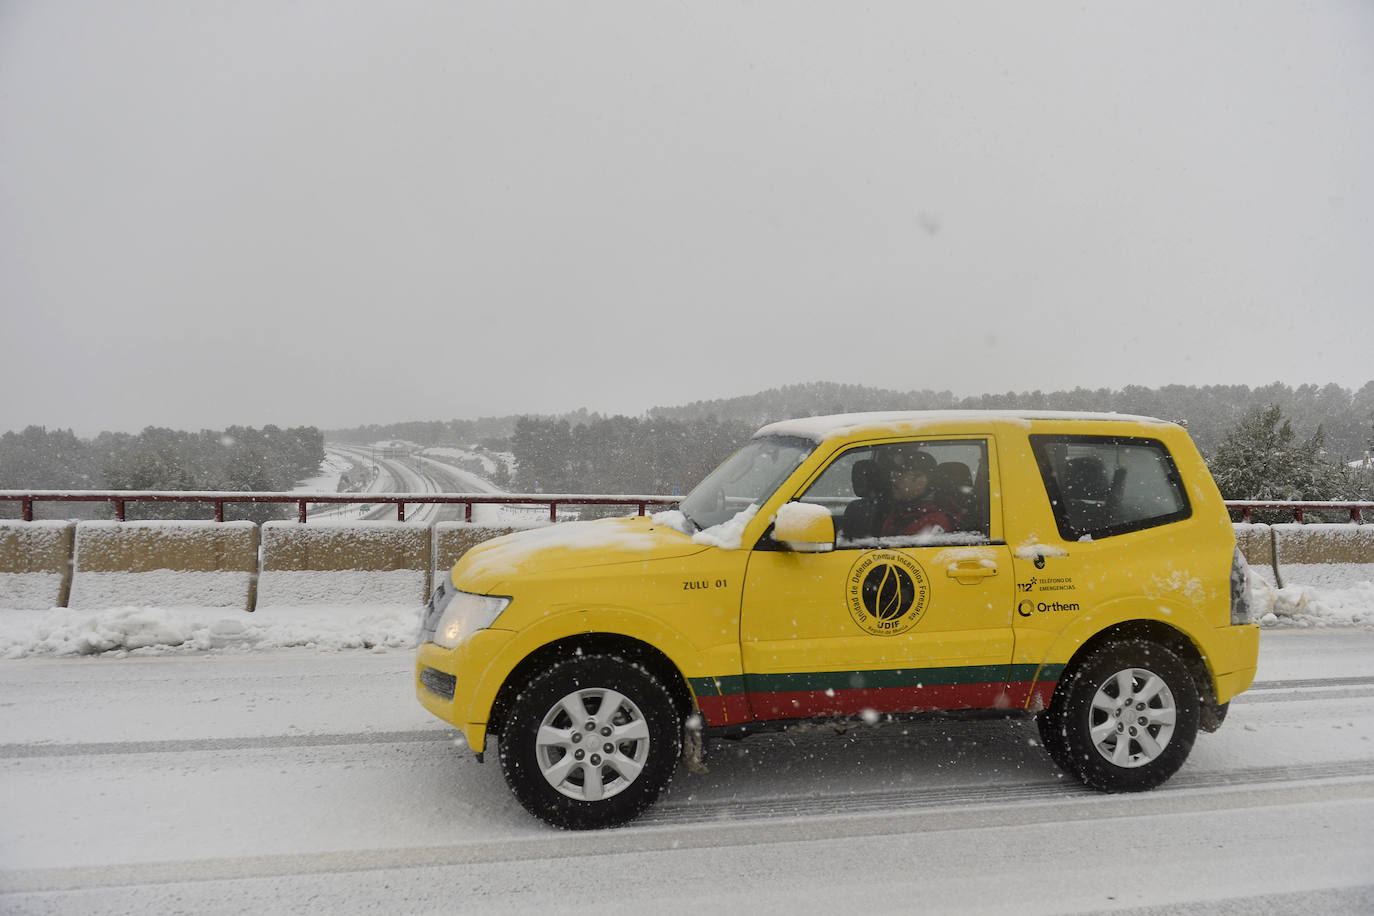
point(887, 592)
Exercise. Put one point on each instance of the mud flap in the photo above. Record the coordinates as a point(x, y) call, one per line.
point(693, 744)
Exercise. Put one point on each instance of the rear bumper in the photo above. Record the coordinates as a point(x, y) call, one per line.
point(1233, 658)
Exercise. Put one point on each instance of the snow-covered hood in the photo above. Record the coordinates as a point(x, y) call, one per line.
point(488, 567)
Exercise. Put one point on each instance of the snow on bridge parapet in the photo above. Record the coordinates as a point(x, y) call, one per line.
point(164, 564)
point(1256, 543)
point(1314, 554)
point(35, 564)
point(215, 564)
point(1324, 555)
point(355, 563)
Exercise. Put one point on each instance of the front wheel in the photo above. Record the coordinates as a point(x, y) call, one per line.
point(1127, 718)
point(590, 742)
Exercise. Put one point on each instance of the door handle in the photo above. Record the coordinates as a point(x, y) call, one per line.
point(971, 572)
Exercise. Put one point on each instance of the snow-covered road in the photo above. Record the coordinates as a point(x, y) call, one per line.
point(294, 781)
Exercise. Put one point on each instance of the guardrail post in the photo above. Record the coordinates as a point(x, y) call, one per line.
point(553, 510)
point(219, 510)
point(467, 512)
point(300, 512)
point(400, 512)
point(27, 506)
point(119, 510)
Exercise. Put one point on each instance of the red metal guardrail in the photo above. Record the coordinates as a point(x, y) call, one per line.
point(120, 498)
point(1248, 506)
point(218, 498)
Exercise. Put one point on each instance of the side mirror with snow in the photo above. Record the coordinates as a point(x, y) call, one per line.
point(805, 528)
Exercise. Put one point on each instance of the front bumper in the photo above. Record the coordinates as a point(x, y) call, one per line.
point(458, 686)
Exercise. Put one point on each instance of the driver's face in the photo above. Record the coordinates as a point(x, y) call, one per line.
point(908, 482)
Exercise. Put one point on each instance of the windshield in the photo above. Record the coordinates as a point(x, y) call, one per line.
point(747, 477)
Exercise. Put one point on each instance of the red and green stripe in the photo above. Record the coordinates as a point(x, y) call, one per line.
point(732, 699)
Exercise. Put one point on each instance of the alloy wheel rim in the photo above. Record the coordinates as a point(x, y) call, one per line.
point(592, 744)
point(1132, 717)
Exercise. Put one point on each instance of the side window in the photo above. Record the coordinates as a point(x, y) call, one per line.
point(1099, 486)
point(903, 494)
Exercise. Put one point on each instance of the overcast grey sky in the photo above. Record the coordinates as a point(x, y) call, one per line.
point(326, 212)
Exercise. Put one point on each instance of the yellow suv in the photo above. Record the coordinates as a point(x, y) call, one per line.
point(1076, 567)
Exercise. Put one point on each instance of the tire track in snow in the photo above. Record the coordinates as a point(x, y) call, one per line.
point(958, 796)
point(769, 825)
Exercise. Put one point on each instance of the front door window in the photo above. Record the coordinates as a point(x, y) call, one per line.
point(907, 494)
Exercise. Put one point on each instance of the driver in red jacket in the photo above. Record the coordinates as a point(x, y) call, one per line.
point(913, 508)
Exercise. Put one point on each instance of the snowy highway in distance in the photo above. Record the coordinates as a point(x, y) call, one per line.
point(415, 474)
point(295, 781)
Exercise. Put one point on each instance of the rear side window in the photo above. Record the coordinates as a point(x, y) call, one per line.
point(1099, 486)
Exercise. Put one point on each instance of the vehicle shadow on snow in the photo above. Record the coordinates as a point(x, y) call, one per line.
point(809, 768)
point(824, 763)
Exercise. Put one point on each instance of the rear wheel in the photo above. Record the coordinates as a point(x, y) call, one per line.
point(590, 742)
point(1126, 718)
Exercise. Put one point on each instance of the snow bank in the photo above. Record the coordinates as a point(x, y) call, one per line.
point(35, 563)
point(1327, 572)
point(1306, 606)
point(164, 564)
point(357, 563)
point(160, 631)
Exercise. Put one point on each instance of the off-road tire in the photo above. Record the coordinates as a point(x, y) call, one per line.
point(558, 715)
point(1126, 717)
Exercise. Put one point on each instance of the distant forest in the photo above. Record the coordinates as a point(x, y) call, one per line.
point(1346, 417)
point(1303, 439)
point(673, 447)
point(238, 458)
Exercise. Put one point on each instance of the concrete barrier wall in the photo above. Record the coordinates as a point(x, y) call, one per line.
point(164, 564)
point(1322, 544)
point(358, 563)
point(210, 564)
point(35, 564)
point(1323, 555)
point(1256, 543)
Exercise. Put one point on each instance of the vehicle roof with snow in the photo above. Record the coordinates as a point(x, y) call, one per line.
point(913, 422)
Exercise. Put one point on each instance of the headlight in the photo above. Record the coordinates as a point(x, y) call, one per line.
point(461, 614)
